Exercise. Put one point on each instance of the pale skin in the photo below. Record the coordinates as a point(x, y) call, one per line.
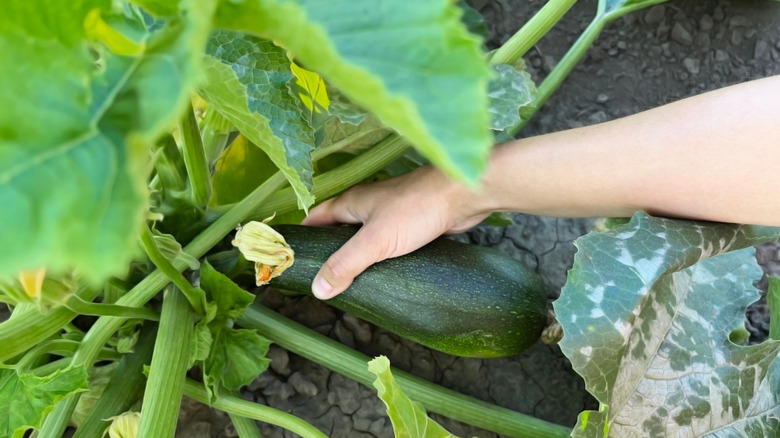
point(710, 157)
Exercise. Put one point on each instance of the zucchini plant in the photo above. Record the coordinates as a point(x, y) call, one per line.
point(137, 135)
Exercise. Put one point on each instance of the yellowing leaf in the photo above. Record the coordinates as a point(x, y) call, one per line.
point(32, 281)
point(313, 84)
point(97, 29)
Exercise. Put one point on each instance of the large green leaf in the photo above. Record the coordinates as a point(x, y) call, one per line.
point(248, 83)
point(76, 125)
point(647, 311)
point(408, 417)
point(235, 356)
point(26, 398)
point(413, 63)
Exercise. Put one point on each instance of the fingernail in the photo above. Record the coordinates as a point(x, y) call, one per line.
point(321, 288)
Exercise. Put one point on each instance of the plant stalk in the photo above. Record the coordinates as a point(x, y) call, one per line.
point(163, 264)
point(245, 427)
point(237, 406)
point(214, 133)
point(27, 326)
point(329, 353)
point(531, 32)
point(82, 307)
point(170, 360)
point(171, 171)
point(335, 181)
point(554, 80)
point(123, 390)
point(60, 347)
point(195, 159)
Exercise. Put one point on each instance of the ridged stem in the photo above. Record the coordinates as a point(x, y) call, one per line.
point(331, 354)
point(27, 326)
point(170, 360)
point(531, 32)
point(195, 159)
point(237, 406)
point(123, 390)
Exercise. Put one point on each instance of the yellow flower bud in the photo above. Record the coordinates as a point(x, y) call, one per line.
point(261, 244)
point(125, 425)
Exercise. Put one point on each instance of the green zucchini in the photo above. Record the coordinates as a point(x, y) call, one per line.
point(461, 299)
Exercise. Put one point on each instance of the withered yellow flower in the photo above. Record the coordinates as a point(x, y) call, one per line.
point(263, 245)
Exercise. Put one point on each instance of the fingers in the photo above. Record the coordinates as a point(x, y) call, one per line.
point(338, 272)
point(330, 212)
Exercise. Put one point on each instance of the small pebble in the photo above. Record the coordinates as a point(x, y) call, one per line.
point(303, 385)
point(737, 37)
point(740, 21)
point(622, 45)
point(681, 35)
point(762, 49)
point(692, 65)
point(721, 55)
point(706, 23)
point(655, 14)
point(360, 329)
point(344, 335)
point(280, 360)
point(602, 98)
point(718, 14)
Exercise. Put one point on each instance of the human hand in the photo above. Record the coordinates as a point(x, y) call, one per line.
point(398, 216)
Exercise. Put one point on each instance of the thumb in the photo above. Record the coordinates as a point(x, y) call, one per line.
point(341, 268)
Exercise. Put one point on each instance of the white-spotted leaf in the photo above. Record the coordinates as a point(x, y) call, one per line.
point(647, 311)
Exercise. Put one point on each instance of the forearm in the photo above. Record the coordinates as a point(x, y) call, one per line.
point(707, 157)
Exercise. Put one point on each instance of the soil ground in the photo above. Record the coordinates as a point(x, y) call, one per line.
point(642, 61)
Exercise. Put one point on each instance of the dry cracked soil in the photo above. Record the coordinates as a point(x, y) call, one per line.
point(641, 61)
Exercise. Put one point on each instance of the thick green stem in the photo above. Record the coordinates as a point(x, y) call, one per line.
point(335, 181)
point(562, 70)
point(195, 159)
point(627, 9)
point(214, 133)
point(531, 32)
point(59, 347)
point(245, 427)
point(345, 142)
point(170, 360)
point(28, 326)
point(194, 296)
point(82, 307)
point(329, 353)
point(123, 390)
point(237, 406)
point(171, 171)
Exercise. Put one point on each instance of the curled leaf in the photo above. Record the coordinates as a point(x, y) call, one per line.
point(263, 245)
